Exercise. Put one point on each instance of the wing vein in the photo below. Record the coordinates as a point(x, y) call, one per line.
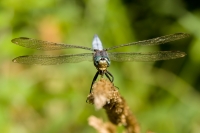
point(44, 45)
point(143, 57)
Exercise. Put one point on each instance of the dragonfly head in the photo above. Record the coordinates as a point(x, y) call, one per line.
point(101, 64)
point(101, 60)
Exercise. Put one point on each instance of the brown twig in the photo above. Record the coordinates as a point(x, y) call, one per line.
point(104, 94)
point(100, 126)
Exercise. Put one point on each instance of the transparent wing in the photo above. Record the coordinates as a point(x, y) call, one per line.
point(53, 60)
point(155, 41)
point(151, 56)
point(44, 45)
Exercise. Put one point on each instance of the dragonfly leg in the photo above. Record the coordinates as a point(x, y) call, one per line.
point(108, 73)
point(109, 77)
point(94, 79)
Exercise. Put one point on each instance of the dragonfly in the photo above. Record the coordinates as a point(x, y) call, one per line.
point(100, 57)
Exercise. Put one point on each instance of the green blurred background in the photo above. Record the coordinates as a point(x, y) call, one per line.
point(164, 96)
